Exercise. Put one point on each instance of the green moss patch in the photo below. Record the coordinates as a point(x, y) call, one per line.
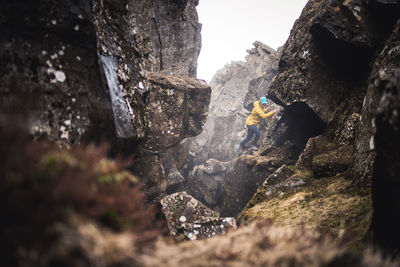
point(332, 206)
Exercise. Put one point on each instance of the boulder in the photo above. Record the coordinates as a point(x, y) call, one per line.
point(176, 109)
point(186, 214)
point(206, 181)
point(248, 172)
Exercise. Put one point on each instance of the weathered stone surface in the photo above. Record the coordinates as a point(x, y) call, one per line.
point(82, 71)
point(208, 228)
point(330, 44)
point(248, 172)
point(78, 76)
point(174, 32)
point(385, 180)
point(206, 181)
point(274, 185)
point(326, 62)
point(177, 109)
point(174, 177)
point(383, 66)
point(333, 162)
point(46, 70)
point(278, 176)
point(184, 213)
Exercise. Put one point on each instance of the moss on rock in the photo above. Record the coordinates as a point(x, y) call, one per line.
point(332, 206)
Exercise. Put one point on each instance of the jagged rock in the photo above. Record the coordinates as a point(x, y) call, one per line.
point(278, 176)
point(326, 158)
point(382, 67)
point(184, 213)
point(174, 177)
point(213, 166)
point(225, 127)
point(325, 63)
point(49, 76)
point(314, 147)
point(275, 185)
point(77, 78)
point(280, 188)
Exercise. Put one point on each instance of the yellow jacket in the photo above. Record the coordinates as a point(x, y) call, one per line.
point(257, 114)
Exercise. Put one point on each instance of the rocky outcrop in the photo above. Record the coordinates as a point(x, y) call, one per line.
point(89, 71)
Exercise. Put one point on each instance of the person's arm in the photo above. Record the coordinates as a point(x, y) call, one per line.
point(262, 114)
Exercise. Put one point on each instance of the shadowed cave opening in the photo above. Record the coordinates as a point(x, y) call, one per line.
point(298, 123)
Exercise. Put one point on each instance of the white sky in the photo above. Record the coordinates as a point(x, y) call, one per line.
point(231, 26)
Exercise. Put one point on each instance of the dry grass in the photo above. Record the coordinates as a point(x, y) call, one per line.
point(259, 244)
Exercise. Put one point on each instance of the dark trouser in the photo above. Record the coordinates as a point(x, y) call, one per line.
point(251, 130)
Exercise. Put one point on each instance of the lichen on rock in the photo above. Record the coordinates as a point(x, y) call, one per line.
point(196, 221)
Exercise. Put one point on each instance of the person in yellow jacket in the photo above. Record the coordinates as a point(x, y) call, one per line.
point(257, 114)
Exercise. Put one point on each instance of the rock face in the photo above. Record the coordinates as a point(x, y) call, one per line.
point(330, 45)
point(385, 180)
point(89, 71)
point(338, 60)
point(174, 31)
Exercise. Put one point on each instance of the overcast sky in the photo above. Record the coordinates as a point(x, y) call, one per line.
point(231, 26)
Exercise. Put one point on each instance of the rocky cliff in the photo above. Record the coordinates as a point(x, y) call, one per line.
point(84, 72)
